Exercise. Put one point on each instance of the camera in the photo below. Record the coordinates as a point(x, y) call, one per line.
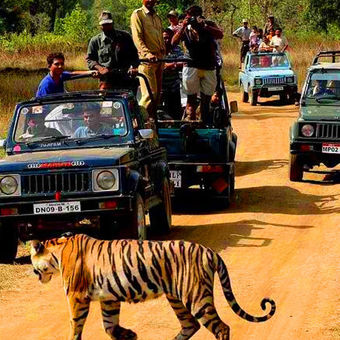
point(196, 22)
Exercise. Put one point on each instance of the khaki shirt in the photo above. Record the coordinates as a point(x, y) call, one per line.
point(147, 33)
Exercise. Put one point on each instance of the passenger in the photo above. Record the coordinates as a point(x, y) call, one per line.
point(260, 35)
point(243, 33)
point(113, 49)
point(279, 42)
point(270, 34)
point(36, 128)
point(147, 33)
point(54, 81)
point(173, 21)
point(93, 124)
point(181, 17)
point(171, 86)
point(265, 45)
point(321, 88)
point(199, 75)
point(271, 25)
point(253, 39)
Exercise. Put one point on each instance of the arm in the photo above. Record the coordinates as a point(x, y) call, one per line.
point(236, 33)
point(178, 36)
point(138, 36)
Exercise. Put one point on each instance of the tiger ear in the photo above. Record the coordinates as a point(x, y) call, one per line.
point(36, 247)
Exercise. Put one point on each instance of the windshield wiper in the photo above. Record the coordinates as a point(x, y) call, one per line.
point(92, 138)
point(327, 98)
point(47, 139)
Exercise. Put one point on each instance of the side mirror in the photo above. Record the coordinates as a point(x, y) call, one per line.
point(146, 133)
point(2, 143)
point(233, 106)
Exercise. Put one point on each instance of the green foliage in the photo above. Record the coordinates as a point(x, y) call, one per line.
point(75, 26)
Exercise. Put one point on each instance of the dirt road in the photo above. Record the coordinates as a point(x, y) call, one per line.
point(278, 239)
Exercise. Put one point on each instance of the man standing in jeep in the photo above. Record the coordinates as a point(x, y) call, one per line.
point(199, 75)
point(112, 49)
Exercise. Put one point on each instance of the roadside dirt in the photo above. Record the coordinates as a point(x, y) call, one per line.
point(278, 239)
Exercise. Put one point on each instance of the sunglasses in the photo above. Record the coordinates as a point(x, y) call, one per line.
point(58, 64)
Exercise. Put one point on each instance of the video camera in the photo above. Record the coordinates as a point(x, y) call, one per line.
point(196, 21)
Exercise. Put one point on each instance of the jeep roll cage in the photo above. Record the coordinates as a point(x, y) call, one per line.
point(326, 54)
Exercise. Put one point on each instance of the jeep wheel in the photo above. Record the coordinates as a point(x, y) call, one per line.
point(245, 96)
point(283, 98)
point(8, 242)
point(160, 216)
point(253, 97)
point(295, 169)
point(136, 221)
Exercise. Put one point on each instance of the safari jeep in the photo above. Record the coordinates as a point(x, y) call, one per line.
point(315, 136)
point(267, 74)
point(81, 161)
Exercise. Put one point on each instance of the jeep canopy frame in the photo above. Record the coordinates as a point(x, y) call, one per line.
point(326, 54)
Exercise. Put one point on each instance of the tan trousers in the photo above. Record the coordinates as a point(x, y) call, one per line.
point(153, 73)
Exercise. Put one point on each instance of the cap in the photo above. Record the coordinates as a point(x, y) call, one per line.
point(172, 13)
point(91, 106)
point(245, 20)
point(105, 18)
point(270, 16)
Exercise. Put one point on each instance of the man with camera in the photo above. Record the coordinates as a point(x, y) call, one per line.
point(199, 74)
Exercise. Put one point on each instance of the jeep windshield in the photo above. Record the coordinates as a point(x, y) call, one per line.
point(269, 60)
point(70, 121)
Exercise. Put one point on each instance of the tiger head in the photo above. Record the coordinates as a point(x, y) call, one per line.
point(44, 262)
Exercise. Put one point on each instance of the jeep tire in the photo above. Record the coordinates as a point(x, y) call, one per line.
point(8, 242)
point(135, 222)
point(254, 97)
point(295, 168)
point(245, 96)
point(160, 215)
point(283, 98)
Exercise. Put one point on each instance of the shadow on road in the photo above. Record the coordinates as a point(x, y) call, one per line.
point(330, 177)
point(251, 167)
point(223, 235)
point(283, 200)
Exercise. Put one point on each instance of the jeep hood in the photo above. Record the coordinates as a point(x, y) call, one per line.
point(88, 157)
point(270, 72)
point(322, 112)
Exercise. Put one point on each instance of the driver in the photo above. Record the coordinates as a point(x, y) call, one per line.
point(93, 124)
point(321, 88)
point(37, 128)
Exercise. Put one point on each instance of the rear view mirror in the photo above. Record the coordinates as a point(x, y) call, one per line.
point(146, 133)
point(233, 106)
point(2, 143)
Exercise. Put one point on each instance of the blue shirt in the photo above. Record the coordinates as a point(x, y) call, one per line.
point(49, 86)
point(84, 131)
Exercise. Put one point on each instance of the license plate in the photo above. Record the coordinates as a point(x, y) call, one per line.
point(275, 88)
point(56, 208)
point(176, 177)
point(331, 148)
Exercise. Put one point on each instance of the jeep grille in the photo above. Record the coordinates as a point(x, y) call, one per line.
point(70, 182)
point(274, 81)
point(330, 131)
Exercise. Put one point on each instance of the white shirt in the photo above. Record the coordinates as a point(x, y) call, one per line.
point(243, 33)
point(278, 43)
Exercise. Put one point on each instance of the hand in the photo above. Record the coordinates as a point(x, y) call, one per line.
point(103, 70)
point(133, 72)
point(94, 74)
point(153, 58)
point(185, 22)
point(170, 66)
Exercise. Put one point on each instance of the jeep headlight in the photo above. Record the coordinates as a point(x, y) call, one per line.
point(105, 180)
point(9, 185)
point(290, 80)
point(258, 81)
point(307, 130)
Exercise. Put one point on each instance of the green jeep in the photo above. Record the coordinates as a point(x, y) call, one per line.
point(315, 136)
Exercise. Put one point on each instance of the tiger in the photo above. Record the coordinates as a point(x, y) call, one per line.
point(133, 271)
